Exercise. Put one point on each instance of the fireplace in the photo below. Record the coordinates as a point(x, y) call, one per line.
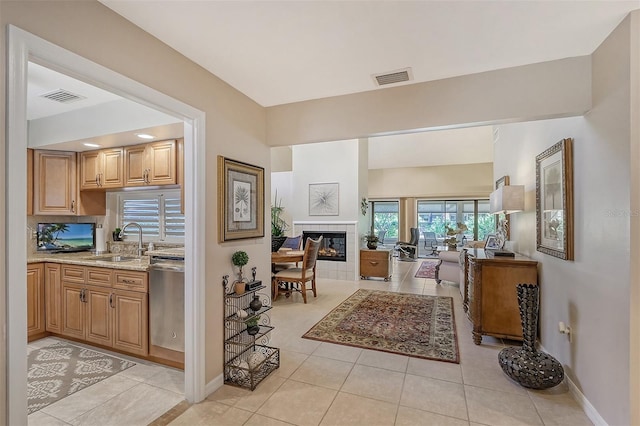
point(333, 246)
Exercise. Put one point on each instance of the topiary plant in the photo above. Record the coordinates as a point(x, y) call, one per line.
point(239, 259)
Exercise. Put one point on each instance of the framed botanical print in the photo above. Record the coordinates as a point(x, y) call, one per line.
point(324, 199)
point(240, 200)
point(554, 200)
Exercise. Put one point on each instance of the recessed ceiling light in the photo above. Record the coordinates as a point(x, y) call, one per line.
point(144, 136)
point(91, 145)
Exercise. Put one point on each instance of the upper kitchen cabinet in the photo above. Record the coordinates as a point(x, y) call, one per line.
point(55, 186)
point(150, 164)
point(103, 169)
point(54, 182)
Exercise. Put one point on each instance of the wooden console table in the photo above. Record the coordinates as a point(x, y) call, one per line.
point(490, 298)
point(375, 263)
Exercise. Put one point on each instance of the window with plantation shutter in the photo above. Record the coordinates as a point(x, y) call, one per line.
point(157, 212)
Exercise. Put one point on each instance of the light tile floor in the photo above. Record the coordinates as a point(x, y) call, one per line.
point(135, 396)
point(326, 384)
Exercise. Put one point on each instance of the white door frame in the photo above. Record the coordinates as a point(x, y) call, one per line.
point(24, 47)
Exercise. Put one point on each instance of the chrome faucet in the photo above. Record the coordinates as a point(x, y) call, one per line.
point(140, 248)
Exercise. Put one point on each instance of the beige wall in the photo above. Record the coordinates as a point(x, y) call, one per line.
point(557, 88)
point(458, 181)
point(591, 293)
point(235, 125)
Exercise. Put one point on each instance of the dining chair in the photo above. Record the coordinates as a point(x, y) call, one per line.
point(300, 276)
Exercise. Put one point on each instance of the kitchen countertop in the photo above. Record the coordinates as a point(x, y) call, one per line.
point(88, 259)
point(173, 251)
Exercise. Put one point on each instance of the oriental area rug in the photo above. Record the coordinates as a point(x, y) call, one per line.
point(407, 324)
point(61, 369)
point(427, 269)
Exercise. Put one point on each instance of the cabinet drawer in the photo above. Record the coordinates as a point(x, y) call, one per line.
point(72, 273)
point(100, 276)
point(131, 280)
point(375, 255)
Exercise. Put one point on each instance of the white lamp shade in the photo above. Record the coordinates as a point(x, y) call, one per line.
point(507, 199)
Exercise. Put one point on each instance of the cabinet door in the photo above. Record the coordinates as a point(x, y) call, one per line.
point(35, 299)
point(53, 298)
point(73, 310)
point(54, 182)
point(90, 168)
point(161, 158)
point(112, 173)
point(130, 322)
point(135, 169)
point(99, 311)
point(29, 182)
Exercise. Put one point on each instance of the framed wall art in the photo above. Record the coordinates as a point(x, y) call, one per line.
point(324, 199)
point(491, 242)
point(554, 200)
point(503, 181)
point(240, 200)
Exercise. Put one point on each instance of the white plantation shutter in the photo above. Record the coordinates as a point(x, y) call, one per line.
point(157, 212)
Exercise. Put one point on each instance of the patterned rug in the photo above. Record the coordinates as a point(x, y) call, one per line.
point(407, 324)
point(58, 370)
point(427, 269)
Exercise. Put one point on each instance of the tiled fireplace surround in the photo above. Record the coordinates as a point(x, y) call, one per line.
point(335, 270)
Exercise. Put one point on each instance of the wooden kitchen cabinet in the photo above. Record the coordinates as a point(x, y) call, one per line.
point(53, 297)
point(131, 322)
point(102, 169)
point(108, 307)
point(491, 292)
point(29, 182)
point(54, 182)
point(375, 263)
point(150, 164)
point(35, 301)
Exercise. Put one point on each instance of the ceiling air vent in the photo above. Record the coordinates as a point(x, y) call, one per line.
point(392, 77)
point(62, 96)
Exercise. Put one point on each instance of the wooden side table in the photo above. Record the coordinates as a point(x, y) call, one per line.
point(375, 263)
point(491, 297)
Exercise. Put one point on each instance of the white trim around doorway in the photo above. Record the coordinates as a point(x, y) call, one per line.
point(24, 47)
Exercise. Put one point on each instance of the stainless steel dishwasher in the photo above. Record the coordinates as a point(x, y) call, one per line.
point(166, 303)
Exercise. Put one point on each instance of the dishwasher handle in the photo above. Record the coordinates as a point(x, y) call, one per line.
point(167, 267)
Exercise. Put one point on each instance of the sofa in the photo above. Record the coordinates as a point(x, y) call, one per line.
point(450, 268)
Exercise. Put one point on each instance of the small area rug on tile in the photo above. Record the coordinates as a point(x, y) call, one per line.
point(408, 324)
point(427, 269)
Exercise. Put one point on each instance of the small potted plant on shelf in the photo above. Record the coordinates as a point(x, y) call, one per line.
point(239, 259)
point(252, 325)
point(116, 234)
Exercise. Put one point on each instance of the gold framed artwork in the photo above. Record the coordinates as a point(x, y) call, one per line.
point(503, 181)
point(240, 200)
point(554, 200)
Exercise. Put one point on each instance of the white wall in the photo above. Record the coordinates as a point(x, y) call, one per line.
point(590, 293)
point(326, 163)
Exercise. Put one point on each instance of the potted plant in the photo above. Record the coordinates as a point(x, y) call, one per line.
point(452, 240)
point(252, 324)
point(278, 224)
point(116, 234)
point(372, 241)
point(239, 259)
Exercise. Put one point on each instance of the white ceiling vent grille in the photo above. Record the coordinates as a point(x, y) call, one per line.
point(397, 76)
point(62, 96)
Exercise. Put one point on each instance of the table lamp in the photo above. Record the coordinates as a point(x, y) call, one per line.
point(506, 199)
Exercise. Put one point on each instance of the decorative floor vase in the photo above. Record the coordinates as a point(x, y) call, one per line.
point(527, 366)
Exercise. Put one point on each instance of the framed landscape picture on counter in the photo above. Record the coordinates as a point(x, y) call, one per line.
point(240, 200)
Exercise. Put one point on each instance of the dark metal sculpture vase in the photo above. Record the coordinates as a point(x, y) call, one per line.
point(527, 366)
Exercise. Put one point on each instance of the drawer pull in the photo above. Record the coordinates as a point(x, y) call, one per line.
point(128, 281)
point(373, 263)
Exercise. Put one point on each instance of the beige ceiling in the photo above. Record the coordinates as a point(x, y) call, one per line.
point(279, 52)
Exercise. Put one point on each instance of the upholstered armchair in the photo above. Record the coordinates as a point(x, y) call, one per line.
point(450, 267)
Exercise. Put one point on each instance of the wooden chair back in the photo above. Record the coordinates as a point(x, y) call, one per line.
point(310, 256)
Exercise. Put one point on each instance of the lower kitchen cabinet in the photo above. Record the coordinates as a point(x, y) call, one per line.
point(102, 314)
point(52, 298)
point(35, 300)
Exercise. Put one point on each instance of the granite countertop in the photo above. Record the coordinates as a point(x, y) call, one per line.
point(173, 251)
point(87, 259)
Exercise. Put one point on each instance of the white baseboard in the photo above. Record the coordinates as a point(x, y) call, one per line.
point(588, 409)
point(213, 385)
point(582, 401)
